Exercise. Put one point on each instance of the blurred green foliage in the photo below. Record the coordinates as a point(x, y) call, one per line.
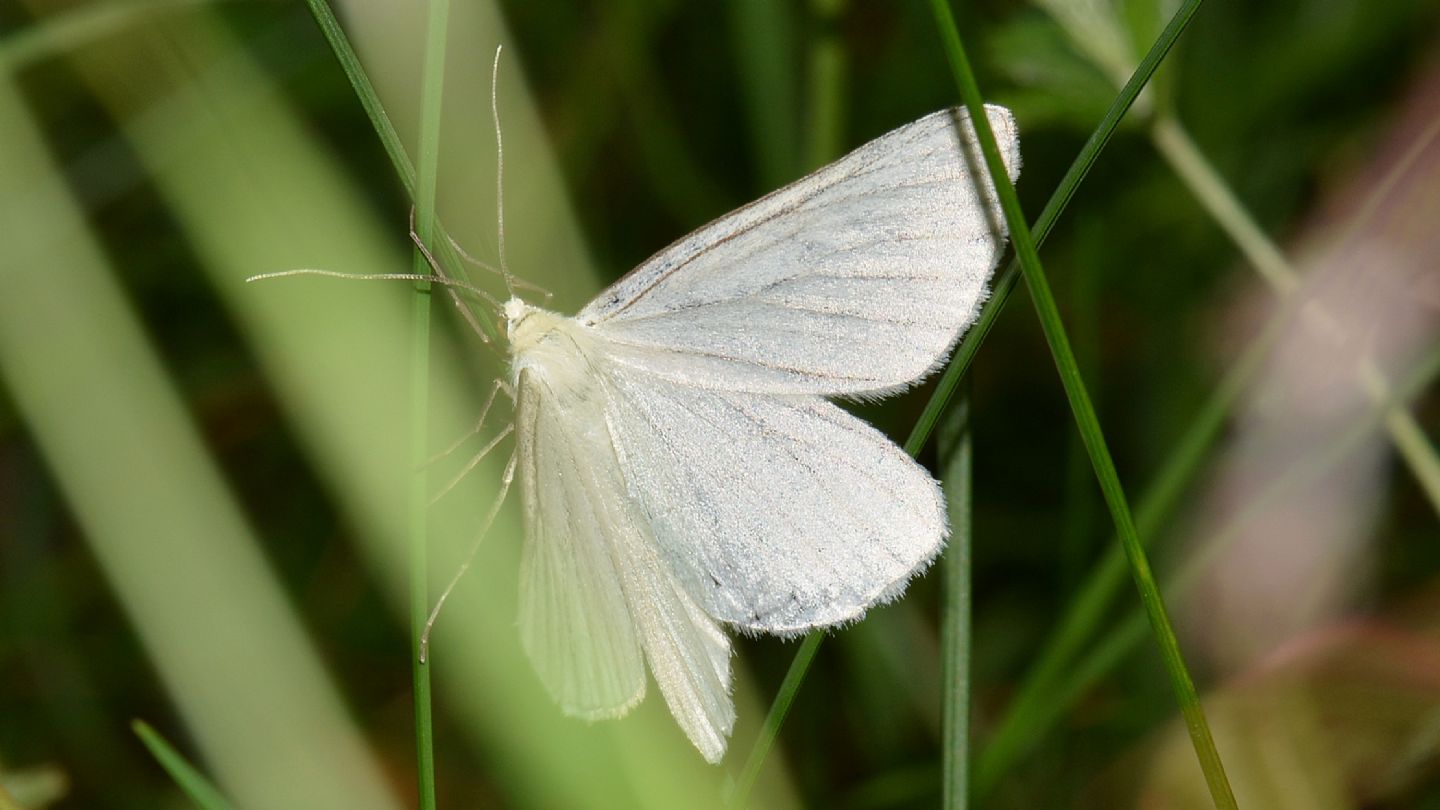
point(196, 143)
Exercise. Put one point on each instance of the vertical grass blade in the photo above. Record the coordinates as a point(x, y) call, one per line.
point(1042, 698)
point(827, 74)
point(152, 506)
point(432, 90)
point(394, 148)
point(762, 36)
point(1085, 419)
point(955, 625)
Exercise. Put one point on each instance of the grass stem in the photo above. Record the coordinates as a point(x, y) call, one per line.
point(1048, 687)
point(1049, 315)
point(955, 620)
point(427, 170)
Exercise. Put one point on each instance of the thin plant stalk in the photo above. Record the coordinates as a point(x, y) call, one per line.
point(432, 90)
point(1110, 650)
point(1004, 285)
point(1017, 730)
point(1054, 207)
point(955, 622)
point(190, 780)
point(442, 244)
point(775, 718)
point(1042, 696)
point(1049, 315)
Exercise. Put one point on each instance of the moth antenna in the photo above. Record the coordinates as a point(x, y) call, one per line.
point(442, 280)
point(505, 480)
point(520, 283)
point(499, 169)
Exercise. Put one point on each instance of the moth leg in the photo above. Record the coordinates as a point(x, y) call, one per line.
point(449, 288)
point(473, 463)
point(497, 387)
point(505, 480)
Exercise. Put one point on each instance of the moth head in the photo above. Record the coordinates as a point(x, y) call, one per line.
point(513, 311)
point(525, 325)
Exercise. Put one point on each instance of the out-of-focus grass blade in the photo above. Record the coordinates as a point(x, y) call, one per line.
point(1205, 182)
point(254, 190)
point(155, 510)
point(762, 36)
point(1041, 697)
point(828, 71)
point(32, 788)
point(189, 779)
point(1128, 633)
point(58, 34)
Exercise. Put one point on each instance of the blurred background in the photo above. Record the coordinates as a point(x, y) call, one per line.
point(203, 483)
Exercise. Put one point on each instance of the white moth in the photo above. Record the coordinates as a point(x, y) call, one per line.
point(680, 466)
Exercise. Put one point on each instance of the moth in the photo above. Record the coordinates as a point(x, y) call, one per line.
point(682, 469)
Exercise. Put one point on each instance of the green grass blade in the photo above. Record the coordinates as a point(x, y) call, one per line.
point(432, 91)
point(956, 636)
point(365, 92)
point(827, 74)
point(1058, 202)
point(775, 718)
point(1086, 421)
point(763, 39)
point(124, 447)
point(68, 31)
point(440, 244)
point(1044, 694)
point(186, 776)
point(1018, 730)
point(1005, 284)
point(1130, 632)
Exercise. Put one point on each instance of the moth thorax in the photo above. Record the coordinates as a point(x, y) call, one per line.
point(539, 332)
